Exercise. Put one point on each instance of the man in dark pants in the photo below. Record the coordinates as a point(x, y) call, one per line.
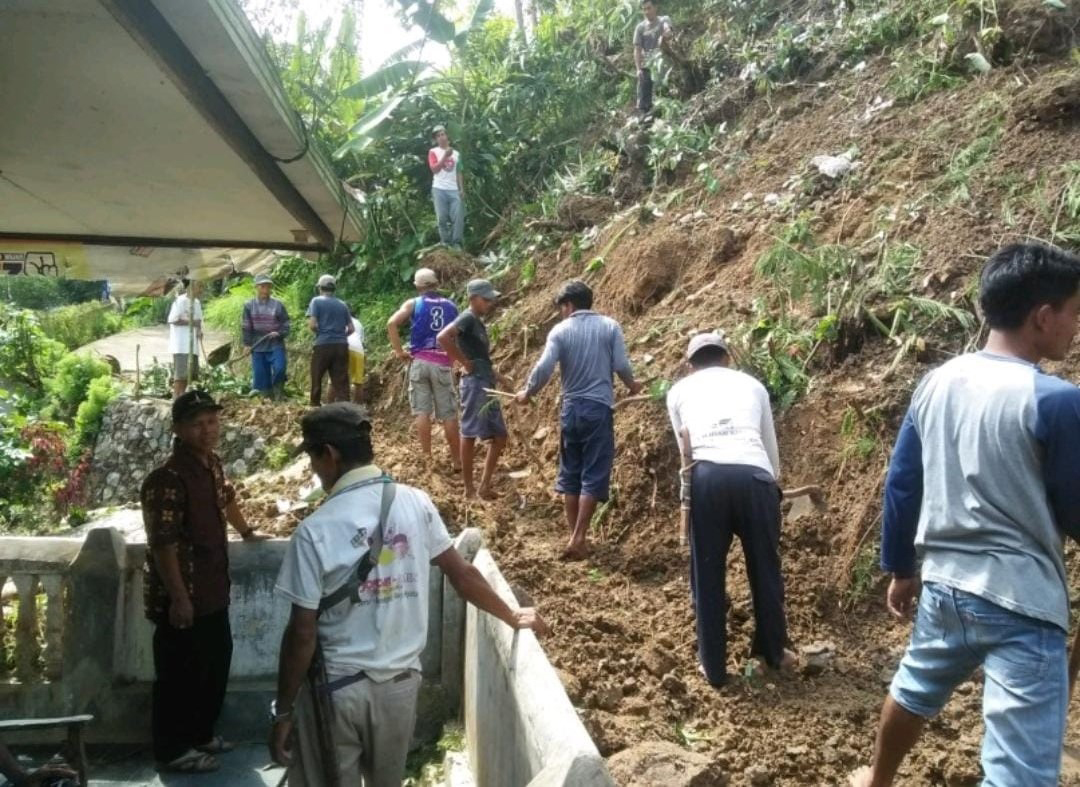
point(330, 321)
point(186, 503)
point(649, 36)
point(733, 492)
point(589, 349)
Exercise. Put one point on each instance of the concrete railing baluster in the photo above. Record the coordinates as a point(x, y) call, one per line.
point(53, 585)
point(27, 647)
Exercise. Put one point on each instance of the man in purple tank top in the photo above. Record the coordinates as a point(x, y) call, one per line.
point(431, 384)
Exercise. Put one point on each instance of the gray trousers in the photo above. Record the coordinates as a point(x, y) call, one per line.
point(373, 727)
point(450, 212)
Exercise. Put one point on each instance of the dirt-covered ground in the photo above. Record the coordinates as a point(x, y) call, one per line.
point(624, 638)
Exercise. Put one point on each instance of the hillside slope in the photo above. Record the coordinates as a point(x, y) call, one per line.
point(840, 293)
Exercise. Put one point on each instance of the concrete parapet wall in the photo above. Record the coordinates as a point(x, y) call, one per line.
point(520, 726)
point(102, 649)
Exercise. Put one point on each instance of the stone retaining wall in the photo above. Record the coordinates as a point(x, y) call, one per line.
point(136, 436)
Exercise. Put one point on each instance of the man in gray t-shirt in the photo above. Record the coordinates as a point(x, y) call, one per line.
point(649, 35)
point(330, 321)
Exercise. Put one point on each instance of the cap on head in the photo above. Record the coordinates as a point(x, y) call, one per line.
point(327, 282)
point(425, 277)
point(333, 424)
point(703, 340)
point(483, 288)
point(435, 131)
point(190, 403)
point(262, 278)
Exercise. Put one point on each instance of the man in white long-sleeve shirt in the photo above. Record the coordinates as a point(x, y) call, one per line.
point(734, 492)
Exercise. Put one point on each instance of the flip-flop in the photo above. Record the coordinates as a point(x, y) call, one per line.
point(217, 745)
point(192, 761)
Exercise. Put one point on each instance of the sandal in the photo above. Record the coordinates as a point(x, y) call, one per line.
point(217, 745)
point(192, 761)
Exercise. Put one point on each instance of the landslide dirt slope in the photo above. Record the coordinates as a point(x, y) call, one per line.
point(624, 636)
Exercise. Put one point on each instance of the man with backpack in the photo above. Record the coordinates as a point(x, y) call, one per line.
point(356, 573)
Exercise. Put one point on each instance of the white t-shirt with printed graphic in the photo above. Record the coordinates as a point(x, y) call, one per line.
point(444, 179)
point(386, 630)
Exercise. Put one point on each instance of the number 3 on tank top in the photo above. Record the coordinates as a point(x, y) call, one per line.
point(437, 318)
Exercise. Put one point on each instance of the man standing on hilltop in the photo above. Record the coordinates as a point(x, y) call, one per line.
point(265, 327)
point(466, 341)
point(330, 321)
point(447, 189)
point(431, 384)
point(589, 349)
point(733, 492)
point(981, 491)
point(649, 35)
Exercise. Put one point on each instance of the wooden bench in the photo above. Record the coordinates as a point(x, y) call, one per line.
point(74, 749)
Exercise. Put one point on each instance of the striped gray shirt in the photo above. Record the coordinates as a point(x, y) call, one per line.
point(589, 349)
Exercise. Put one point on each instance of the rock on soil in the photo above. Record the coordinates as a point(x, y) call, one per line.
point(660, 763)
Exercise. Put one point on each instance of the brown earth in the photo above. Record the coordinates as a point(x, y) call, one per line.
point(623, 637)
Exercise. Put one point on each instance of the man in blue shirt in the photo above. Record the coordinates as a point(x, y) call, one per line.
point(589, 349)
point(981, 490)
point(330, 321)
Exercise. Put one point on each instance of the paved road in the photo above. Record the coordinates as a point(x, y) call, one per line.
point(152, 342)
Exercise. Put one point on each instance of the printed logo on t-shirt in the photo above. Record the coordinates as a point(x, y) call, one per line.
point(438, 318)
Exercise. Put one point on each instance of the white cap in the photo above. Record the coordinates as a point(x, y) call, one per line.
point(425, 277)
point(703, 340)
point(327, 282)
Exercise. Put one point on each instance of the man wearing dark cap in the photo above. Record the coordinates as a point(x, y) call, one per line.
point(330, 321)
point(589, 349)
point(727, 418)
point(265, 326)
point(466, 341)
point(356, 573)
point(186, 504)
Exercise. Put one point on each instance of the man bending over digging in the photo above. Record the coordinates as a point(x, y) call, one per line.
point(981, 490)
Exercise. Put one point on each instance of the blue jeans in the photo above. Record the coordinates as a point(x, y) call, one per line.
point(1025, 695)
point(586, 449)
point(268, 368)
point(450, 212)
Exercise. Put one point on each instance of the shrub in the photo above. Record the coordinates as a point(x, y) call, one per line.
point(81, 324)
point(101, 391)
point(46, 292)
point(27, 356)
point(74, 373)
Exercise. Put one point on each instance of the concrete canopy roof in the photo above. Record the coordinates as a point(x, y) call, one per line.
point(155, 123)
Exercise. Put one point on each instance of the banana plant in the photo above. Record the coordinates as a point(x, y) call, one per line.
point(402, 76)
